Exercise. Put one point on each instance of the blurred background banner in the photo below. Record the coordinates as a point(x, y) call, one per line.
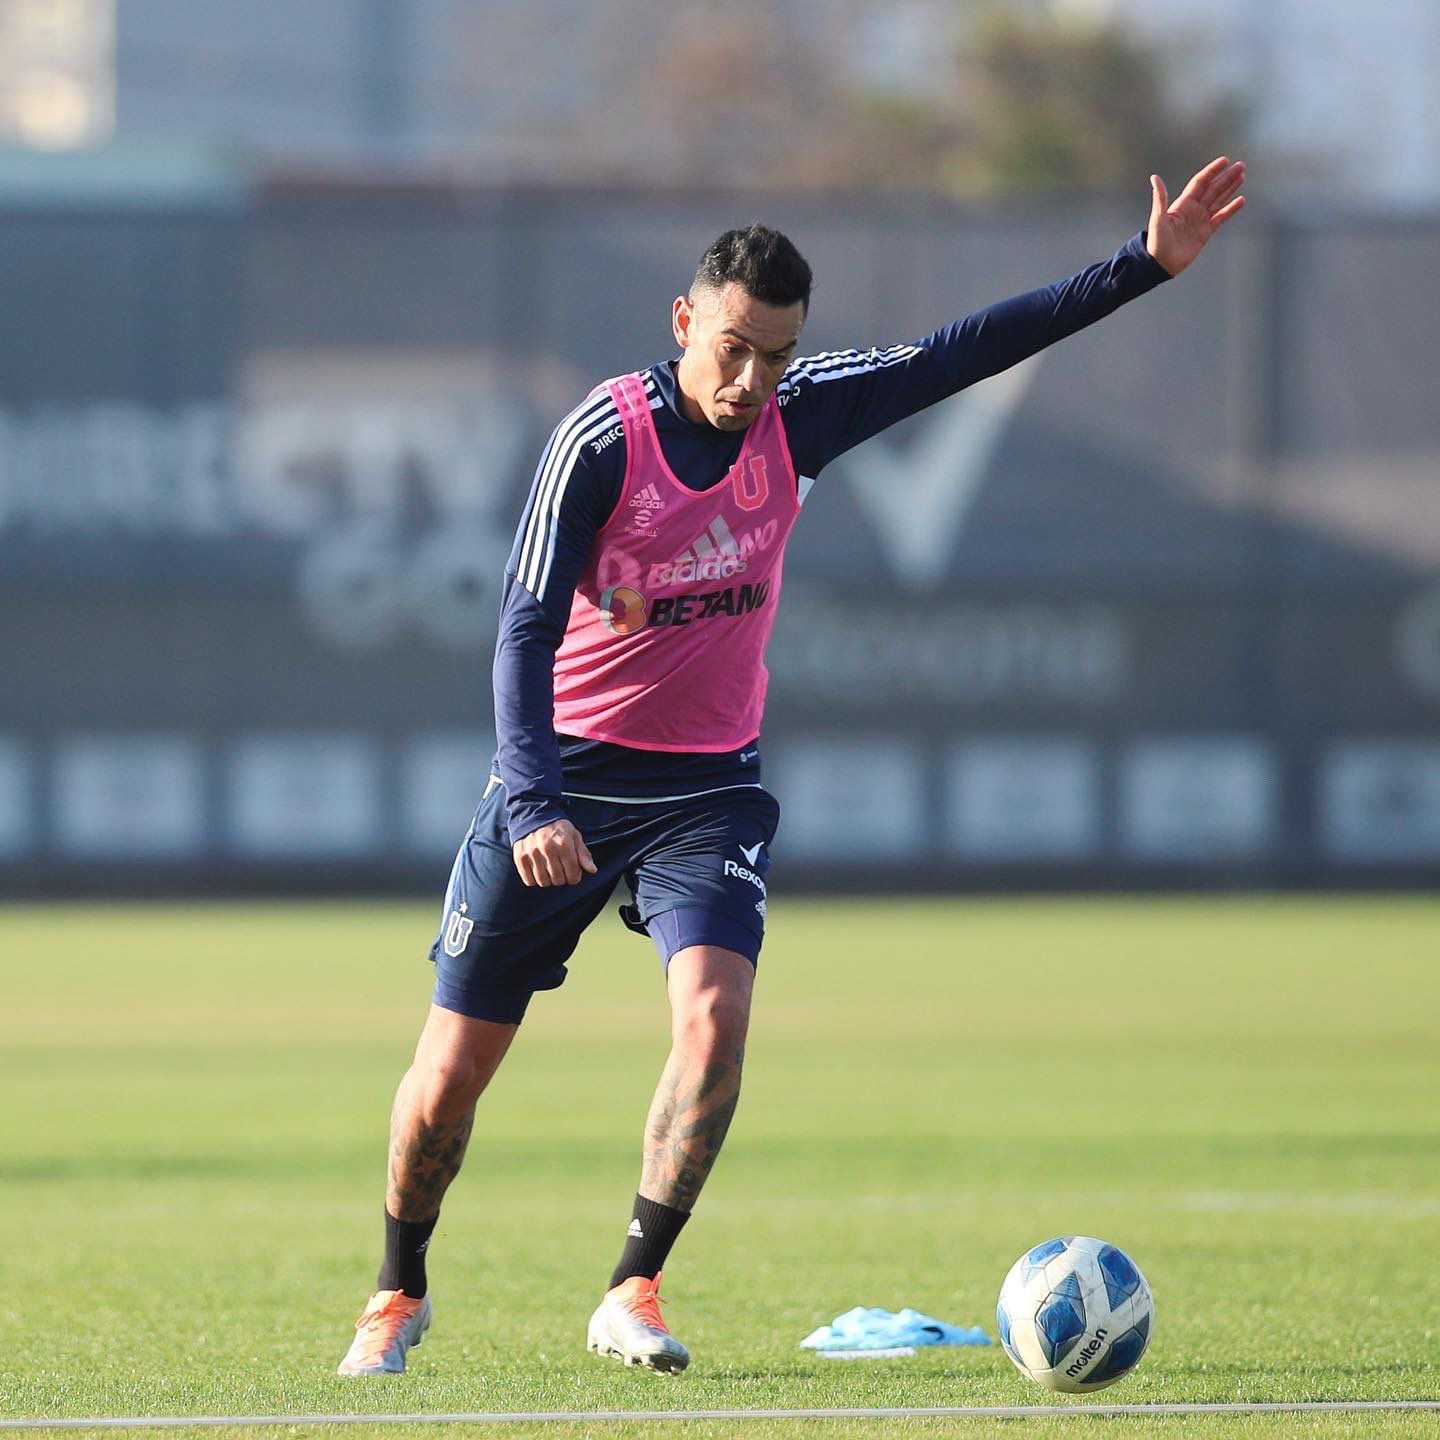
point(1162, 605)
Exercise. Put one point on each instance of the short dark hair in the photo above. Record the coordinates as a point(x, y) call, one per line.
point(763, 262)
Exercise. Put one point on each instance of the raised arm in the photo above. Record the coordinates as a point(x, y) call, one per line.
point(840, 399)
point(835, 401)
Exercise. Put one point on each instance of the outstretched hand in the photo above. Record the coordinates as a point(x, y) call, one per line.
point(1178, 233)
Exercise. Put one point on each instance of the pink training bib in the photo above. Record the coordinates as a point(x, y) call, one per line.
point(665, 646)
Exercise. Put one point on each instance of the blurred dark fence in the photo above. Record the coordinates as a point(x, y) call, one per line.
point(1162, 606)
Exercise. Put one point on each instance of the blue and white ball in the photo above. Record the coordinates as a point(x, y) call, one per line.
point(1075, 1314)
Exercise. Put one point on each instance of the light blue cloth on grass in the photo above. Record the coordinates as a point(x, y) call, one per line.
point(875, 1329)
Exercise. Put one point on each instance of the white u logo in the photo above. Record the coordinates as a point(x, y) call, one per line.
point(457, 932)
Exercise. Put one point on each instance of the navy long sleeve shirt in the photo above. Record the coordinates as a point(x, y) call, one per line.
point(829, 403)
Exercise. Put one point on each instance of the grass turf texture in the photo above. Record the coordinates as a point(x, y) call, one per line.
point(1241, 1093)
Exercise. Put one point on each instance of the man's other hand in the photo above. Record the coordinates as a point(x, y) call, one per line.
point(555, 854)
point(1178, 233)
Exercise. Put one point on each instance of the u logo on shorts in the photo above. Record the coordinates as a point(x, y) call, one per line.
point(457, 932)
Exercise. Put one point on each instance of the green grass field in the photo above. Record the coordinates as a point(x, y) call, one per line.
point(1244, 1094)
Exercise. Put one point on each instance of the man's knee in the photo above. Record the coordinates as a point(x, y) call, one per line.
point(711, 1026)
point(710, 999)
point(447, 1087)
point(455, 1060)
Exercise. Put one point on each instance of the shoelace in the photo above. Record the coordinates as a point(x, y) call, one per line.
point(645, 1306)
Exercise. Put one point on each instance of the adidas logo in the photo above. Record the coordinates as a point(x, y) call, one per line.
point(635, 1232)
point(648, 499)
point(714, 554)
point(715, 539)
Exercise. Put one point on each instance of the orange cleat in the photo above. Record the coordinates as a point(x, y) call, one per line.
point(628, 1326)
point(389, 1325)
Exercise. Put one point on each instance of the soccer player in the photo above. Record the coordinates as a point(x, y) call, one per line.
point(629, 686)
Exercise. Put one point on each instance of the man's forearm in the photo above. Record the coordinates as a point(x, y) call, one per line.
point(1002, 335)
point(528, 753)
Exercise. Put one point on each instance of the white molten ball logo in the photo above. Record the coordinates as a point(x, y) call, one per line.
point(1075, 1314)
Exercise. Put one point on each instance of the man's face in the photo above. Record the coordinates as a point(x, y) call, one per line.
point(735, 349)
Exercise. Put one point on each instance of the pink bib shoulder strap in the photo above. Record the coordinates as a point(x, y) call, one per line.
point(628, 393)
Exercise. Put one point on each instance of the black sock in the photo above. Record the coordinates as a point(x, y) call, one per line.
point(405, 1245)
point(654, 1228)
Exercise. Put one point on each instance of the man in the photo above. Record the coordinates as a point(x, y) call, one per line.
point(629, 684)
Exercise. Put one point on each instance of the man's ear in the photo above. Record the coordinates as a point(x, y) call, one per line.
point(682, 313)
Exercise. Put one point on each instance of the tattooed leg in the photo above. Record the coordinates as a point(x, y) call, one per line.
point(686, 1127)
point(435, 1109)
point(695, 1101)
point(424, 1159)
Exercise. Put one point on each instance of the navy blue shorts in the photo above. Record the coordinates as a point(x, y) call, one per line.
point(695, 870)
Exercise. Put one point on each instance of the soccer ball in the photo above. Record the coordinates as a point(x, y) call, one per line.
point(1074, 1314)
